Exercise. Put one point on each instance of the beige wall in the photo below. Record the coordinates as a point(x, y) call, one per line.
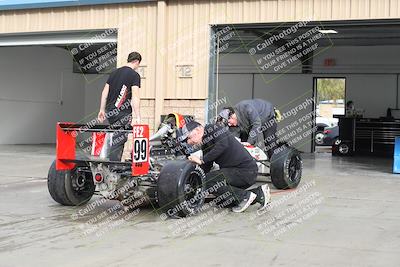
point(183, 33)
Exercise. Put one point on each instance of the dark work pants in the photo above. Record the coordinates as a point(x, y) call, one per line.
point(237, 181)
point(269, 133)
point(119, 138)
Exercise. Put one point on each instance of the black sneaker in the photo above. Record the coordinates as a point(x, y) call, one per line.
point(266, 197)
point(246, 202)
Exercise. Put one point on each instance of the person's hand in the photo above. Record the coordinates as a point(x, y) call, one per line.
point(195, 159)
point(246, 144)
point(135, 121)
point(101, 116)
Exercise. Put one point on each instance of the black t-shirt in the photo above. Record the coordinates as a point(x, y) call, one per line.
point(221, 147)
point(120, 94)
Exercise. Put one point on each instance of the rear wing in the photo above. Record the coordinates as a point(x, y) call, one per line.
point(66, 146)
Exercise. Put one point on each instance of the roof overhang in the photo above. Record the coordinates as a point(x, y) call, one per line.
point(30, 4)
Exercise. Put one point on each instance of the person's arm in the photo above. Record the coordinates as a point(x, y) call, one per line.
point(219, 147)
point(255, 122)
point(135, 103)
point(207, 167)
point(103, 101)
point(135, 100)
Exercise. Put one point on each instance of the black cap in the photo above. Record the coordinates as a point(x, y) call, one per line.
point(225, 114)
point(188, 127)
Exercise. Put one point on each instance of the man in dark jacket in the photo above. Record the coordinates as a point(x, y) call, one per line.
point(238, 170)
point(253, 121)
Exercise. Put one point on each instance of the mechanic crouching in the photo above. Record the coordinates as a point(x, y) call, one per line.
point(238, 170)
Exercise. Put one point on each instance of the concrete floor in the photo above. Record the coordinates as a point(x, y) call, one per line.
point(346, 212)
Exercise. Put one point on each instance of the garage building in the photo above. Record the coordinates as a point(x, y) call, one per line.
point(196, 58)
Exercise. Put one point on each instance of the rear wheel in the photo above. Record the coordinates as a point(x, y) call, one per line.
point(181, 187)
point(70, 187)
point(286, 168)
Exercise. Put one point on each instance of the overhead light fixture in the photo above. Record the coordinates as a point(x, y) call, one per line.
point(328, 31)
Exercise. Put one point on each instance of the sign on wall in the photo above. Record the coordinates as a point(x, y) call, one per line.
point(184, 71)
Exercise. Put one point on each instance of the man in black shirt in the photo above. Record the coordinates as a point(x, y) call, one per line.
point(237, 168)
point(120, 94)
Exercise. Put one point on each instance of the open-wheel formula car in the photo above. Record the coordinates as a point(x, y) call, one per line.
point(158, 172)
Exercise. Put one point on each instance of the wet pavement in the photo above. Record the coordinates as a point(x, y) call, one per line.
point(345, 212)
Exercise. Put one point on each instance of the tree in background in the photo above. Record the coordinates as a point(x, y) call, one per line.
point(330, 89)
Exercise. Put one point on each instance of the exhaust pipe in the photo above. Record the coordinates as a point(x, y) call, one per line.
point(161, 132)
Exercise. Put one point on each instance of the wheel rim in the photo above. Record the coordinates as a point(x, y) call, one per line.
point(80, 183)
point(319, 139)
point(344, 149)
point(193, 189)
point(294, 169)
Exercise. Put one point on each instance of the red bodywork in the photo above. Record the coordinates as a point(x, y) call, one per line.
point(98, 143)
point(66, 146)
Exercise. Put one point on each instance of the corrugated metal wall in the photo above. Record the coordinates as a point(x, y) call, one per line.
point(187, 29)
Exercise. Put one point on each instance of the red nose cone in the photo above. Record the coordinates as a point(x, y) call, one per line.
point(98, 177)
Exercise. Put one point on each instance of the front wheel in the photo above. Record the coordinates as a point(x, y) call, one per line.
point(70, 187)
point(286, 168)
point(181, 189)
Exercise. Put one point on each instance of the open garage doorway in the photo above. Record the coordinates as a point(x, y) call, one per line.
point(50, 77)
point(329, 98)
point(279, 62)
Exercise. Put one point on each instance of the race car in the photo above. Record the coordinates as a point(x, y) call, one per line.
point(158, 172)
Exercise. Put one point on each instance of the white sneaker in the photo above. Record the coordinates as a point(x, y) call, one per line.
point(245, 203)
point(266, 196)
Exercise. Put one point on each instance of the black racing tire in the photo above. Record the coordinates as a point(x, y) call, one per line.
point(286, 167)
point(180, 189)
point(68, 187)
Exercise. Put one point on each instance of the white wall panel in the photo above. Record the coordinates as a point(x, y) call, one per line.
point(287, 92)
point(373, 93)
point(34, 82)
point(94, 84)
point(235, 87)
